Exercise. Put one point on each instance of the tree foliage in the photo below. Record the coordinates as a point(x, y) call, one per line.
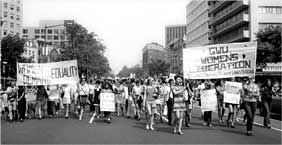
point(137, 70)
point(269, 45)
point(12, 48)
point(157, 67)
point(88, 51)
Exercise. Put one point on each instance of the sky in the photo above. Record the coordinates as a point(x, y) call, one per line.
point(125, 26)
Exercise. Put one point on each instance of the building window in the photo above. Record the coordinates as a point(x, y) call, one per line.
point(266, 25)
point(18, 9)
point(36, 31)
point(270, 9)
point(29, 52)
point(12, 25)
point(43, 37)
point(49, 37)
point(6, 5)
point(12, 16)
point(42, 31)
point(36, 36)
point(62, 31)
point(5, 32)
point(5, 24)
point(12, 7)
point(18, 26)
point(5, 14)
point(62, 37)
point(25, 36)
point(56, 38)
point(49, 31)
point(56, 31)
point(25, 31)
point(18, 18)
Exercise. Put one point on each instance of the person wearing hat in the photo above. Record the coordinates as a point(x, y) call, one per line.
point(250, 96)
point(83, 91)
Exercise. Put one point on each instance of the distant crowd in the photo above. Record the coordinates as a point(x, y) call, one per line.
point(156, 97)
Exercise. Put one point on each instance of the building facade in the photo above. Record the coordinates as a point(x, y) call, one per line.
point(197, 19)
point(152, 51)
point(173, 32)
point(53, 31)
point(240, 20)
point(175, 48)
point(31, 50)
point(11, 15)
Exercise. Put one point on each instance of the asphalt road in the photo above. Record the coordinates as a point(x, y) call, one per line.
point(129, 131)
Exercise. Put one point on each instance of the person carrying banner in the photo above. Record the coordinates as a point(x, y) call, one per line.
point(83, 90)
point(219, 87)
point(41, 101)
point(137, 98)
point(66, 100)
point(178, 104)
point(21, 103)
point(250, 96)
point(150, 103)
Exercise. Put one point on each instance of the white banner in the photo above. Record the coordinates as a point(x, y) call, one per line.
point(232, 92)
point(107, 102)
point(220, 61)
point(208, 100)
point(64, 72)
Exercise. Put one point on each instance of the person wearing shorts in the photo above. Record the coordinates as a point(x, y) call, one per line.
point(83, 91)
point(11, 92)
point(150, 103)
point(137, 98)
point(66, 99)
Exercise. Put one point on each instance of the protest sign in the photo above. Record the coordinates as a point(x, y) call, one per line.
point(54, 92)
point(107, 102)
point(232, 92)
point(30, 94)
point(220, 61)
point(208, 100)
point(64, 72)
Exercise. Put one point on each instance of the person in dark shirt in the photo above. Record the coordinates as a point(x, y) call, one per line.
point(267, 102)
point(21, 103)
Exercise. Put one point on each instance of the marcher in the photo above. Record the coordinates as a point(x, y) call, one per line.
point(107, 88)
point(150, 103)
point(219, 87)
point(66, 100)
point(137, 99)
point(83, 91)
point(91, 96)
point(21, 103)
point(129, 98)
point(41, 101)
point(250, 97)
point(178, 104)
point(188, 103)
point(96, 102)
point(119, 98)
point(169, 102)
point(207, 114)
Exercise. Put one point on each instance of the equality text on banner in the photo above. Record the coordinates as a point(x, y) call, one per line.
point(64, 72)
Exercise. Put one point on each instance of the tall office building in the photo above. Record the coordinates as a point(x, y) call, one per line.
point(11, 15)
point(152, 51)
point(239, 20)
point(197, 19)
point(55, 31)
point(173, 32)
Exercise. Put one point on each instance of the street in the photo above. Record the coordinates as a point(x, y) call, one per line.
point(129, 131)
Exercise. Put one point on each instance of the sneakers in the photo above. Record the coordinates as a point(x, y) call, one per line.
point(152, 128)
point(205, 124)
point(249, 133)
point(147, 127)
point(80, 118)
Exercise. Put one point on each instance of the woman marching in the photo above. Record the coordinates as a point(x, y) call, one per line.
point(149, 101)
point(188, 103)
point(107, 88)
point(21, 103)
point(219, 87)
point(97, 91)
point(83, 91)
point(232, 110)
point(66, 100)
point(178, 104)
point(137, 98)
point(41, 101)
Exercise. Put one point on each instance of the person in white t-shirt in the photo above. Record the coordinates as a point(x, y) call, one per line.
point(137, 98)
point(66, 99)
point(91, 95)
point(83, 91)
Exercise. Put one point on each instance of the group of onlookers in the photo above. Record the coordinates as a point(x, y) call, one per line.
point(161, 97)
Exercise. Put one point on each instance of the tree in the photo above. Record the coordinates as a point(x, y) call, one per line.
point(12, 50)
point(88, 51)
point(137, 70)
point(157, 67)
point(269, 45)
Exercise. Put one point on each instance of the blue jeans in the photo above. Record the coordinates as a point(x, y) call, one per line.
point(250, 109)
point(266, 110)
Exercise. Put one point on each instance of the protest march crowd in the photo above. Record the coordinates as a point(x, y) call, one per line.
point(152, 96)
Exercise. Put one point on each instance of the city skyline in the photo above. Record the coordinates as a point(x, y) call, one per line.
point(145, 19)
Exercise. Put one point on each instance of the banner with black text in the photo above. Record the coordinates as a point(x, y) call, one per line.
point(220, 61)
point(64, 72)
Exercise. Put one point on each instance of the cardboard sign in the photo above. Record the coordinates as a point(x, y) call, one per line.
point(232, 92)
point(208, 100)
point(30, 94)
point(220, 61)
point(107, 102)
